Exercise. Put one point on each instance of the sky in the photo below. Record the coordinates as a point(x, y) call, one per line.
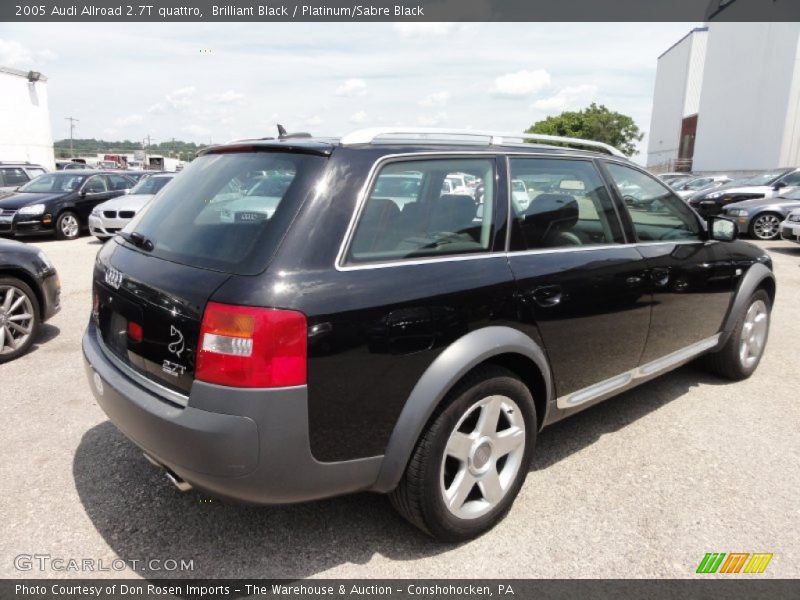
point(214, 82)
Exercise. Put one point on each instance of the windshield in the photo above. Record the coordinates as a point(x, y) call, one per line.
point(150, 185)
point(228, 212)
point(763, 178)
point(54, 182)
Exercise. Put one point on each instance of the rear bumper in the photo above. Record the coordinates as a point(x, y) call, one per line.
point(250, 445)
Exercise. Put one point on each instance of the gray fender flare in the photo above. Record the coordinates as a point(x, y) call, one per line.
point(752, 280)
point(448, 368)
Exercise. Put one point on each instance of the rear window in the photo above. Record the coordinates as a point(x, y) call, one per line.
point(228, 212)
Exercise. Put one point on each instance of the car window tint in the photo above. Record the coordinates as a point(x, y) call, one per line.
point(13, 177)
point(792, 178)
point(96, 185)
point(118, 182)
point(559, 203)
point(222, 212)
point(657, 213)
point(436, 207)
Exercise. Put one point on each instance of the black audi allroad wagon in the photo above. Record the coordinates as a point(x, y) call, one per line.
point(402, 312)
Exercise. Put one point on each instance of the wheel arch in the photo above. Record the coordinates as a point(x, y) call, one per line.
point(758, 276)
point(499, 345)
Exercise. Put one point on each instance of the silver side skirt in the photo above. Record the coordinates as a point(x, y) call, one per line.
point(634, 376)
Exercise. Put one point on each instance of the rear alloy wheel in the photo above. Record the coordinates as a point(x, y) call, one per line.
point(19, 318)
point(67, 226)
point(766, 226)
point(471, 461)
point(740, 355)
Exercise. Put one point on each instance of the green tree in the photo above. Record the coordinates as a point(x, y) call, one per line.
point(596, 123)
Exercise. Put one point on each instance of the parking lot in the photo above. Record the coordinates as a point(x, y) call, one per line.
point(642, 485)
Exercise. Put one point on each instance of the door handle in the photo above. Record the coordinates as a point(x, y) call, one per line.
point(547, 296)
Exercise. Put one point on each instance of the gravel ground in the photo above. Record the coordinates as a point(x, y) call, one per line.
point(640, 486)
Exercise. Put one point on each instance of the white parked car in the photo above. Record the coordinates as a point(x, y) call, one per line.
point(790, 228)
point(519, 194)
point(110, 217)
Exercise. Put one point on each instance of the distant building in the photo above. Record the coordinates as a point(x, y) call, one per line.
point(727, 98)
point(25, 133)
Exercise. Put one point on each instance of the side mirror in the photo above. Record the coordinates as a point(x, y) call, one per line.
point(722, 229)
point(82, 193)
point(778, 185)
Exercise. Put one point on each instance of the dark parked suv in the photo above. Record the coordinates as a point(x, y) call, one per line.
point(273, 329)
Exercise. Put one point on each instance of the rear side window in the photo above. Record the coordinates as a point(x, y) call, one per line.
point(657, 213)
point(436, 207)
point(228, 212)
point(560, 203)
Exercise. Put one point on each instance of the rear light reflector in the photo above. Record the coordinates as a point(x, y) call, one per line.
point(135, 331)
point(243, 346)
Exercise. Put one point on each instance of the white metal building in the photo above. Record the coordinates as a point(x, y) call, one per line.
point(727, 98)
point(25, 133)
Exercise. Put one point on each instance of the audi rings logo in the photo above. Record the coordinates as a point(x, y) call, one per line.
point(113, 278)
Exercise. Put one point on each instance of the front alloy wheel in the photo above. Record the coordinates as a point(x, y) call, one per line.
point(766, 227)
point(19, 318)
point(67, 226)
point(471, 460)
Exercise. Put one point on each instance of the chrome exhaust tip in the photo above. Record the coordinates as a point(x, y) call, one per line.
point(174, 479)
point(179, 483)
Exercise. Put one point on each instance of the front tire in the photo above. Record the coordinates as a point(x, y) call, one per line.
point(19, 318)
point(471, 460)
point(68, 226)
point(765, 227)
point(742, 353)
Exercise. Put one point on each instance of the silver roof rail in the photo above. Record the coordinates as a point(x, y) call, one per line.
point(371, 135)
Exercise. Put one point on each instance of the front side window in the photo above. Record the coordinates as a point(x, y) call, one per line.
point(426, 208)
point(560, 203)
point(657, 213)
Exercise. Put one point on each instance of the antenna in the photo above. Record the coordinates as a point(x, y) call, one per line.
point(282, 131)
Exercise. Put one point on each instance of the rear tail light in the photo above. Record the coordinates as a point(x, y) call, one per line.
point(244, 346)
point(135, 332)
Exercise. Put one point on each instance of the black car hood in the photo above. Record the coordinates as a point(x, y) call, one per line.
point(19, 199)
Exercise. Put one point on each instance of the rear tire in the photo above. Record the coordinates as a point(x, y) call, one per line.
point(741, 354)
point(19, 318)
point(68, 226)
point(471, 460)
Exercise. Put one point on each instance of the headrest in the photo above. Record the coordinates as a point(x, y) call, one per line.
point(453, 212)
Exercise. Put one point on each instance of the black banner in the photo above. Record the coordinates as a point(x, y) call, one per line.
point(403, 589)
point(398, 10)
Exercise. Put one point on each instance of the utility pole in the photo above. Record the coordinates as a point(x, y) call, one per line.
point(72, 122)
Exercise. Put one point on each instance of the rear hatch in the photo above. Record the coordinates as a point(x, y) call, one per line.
point(152, 282)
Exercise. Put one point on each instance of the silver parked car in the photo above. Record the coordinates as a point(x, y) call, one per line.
point(109, 217)
point(684, 189)
point(790, 228)
point(761, 218)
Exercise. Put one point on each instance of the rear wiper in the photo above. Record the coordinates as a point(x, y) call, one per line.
point(138, 240)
